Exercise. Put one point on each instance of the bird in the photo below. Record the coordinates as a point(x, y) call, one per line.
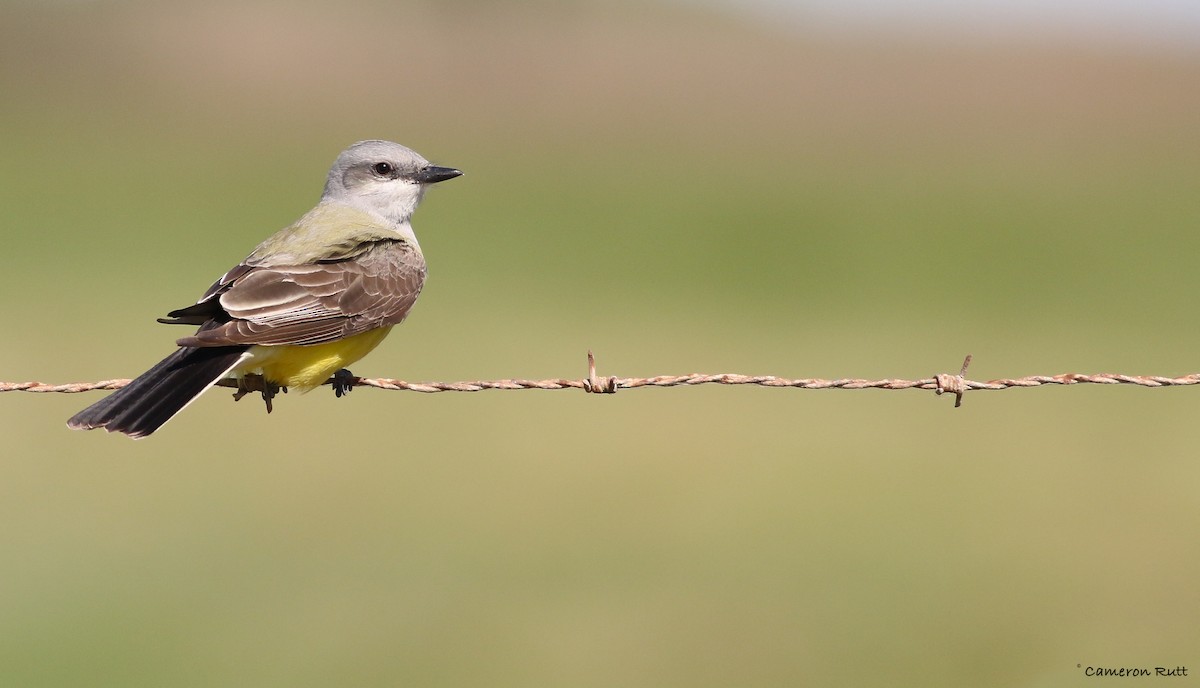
point(310, 300)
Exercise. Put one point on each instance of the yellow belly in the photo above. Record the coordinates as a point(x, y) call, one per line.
point(302, 368)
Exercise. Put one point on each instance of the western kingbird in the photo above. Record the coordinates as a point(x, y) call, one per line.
point(309, 301)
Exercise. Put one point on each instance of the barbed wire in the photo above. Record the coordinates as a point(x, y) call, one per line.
point(941, 383)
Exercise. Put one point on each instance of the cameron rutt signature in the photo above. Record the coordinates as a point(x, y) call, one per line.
point(1132, 671)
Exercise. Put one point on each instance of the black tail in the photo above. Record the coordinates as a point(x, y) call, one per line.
point(142, 406)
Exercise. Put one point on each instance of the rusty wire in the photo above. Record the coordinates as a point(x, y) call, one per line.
point(955, 384)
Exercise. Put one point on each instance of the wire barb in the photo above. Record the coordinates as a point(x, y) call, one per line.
point(593, 385)
point(955, 384)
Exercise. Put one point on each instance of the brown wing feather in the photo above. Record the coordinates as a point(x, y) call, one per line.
point(317, 302)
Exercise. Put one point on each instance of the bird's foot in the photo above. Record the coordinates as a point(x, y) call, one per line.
point(246, 384)
point(257, 383)
point(269, 390)
point(343, 381)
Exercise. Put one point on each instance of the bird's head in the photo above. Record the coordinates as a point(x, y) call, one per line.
point(383, 178)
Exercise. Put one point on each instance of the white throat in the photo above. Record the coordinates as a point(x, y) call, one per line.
point(393, 203)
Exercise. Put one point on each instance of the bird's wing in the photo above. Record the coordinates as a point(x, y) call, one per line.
point(208, 308)
point(311, 303)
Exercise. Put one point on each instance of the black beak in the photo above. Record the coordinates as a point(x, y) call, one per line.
point(434, 174)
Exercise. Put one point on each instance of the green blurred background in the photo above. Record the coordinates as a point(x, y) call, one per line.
point(681, 189)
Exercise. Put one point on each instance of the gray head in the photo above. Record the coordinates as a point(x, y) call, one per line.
point(383, 177)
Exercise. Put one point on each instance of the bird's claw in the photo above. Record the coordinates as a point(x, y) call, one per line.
point(343, 381)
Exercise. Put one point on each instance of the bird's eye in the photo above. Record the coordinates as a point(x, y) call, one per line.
point(382, 169)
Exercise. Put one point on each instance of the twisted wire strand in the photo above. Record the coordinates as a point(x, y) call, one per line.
point(955, 384)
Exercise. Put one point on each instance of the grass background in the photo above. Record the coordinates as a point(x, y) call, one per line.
point(680, 190)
